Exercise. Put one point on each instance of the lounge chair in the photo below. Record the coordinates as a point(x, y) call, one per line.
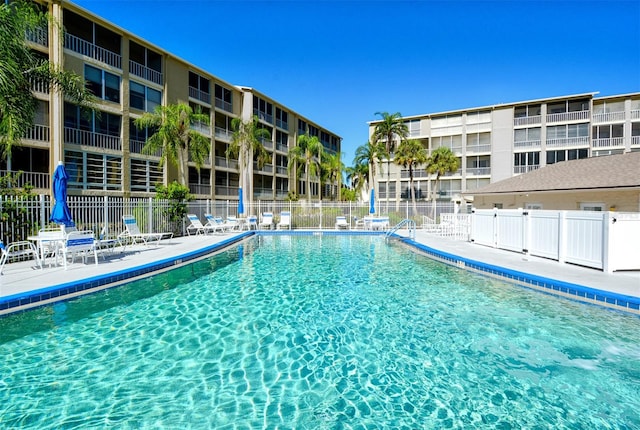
point(231, 223)
point(267, 221)
point(18, 251)
point(132, 232)
point(106, 243)
point(285, 220)
point(214, 223)
point(252, 222)
point(196, 227)
point(79, 242)
point(380, 223)
point(341, 223)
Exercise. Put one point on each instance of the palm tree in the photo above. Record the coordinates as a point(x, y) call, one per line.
point(409, 154)
point(367, 155)
point(246, 142)
point(441, 161)
point(20, 67)
point(174, 138)
point(307, 152)
point(386, 131)
point(332, 168)
point(358, 176)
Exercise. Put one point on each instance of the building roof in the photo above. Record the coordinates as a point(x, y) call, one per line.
point(621, 171)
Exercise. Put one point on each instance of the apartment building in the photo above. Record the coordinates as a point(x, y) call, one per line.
point(501, 141)
point(102, 149)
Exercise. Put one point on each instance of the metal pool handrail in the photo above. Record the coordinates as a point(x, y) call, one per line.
point(411, 225)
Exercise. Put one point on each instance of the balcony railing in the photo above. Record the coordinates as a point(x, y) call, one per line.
point(528, 120)
point(36, 179)
point(223, 190)
point(89, 138)
point(200, 189)
point(635, 141)
point(479, 148)
point(524, 169)
point(611, 142)
point(527, 144)
point(89, 49)
point(224, 162)
point(39, 36)
point(201, 128)
point(282, 124)
point(197, 94)
point(263, 116)
point(568, 142)
point(263, 193)
point(635, 114)
point(145, 72)
point(608, 117)
point(281, 170)
point(221, 104)
point(417, 174)
point(266, 143)
point(568, 116)
point(135, 147)
point(39, 86)
point(282, 147)
point(267, 168)
point(223, 134)
point(456, 173)
point(478, 171)
point(39, 133)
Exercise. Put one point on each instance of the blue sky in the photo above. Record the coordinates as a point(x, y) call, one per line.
point(340, 62)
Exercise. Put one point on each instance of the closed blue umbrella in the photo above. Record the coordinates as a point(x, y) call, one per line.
point(60, 214)
point(372, 201)
point(240, 202)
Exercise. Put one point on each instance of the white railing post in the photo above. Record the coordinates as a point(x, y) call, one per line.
point(150, 214)
point(105, 216)
point(526, 231)
point(495, 228)
point(607, 243)
point(42, 212)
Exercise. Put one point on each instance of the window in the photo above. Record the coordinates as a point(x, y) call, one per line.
point(567, 154)
point(92, 171)
point(282, 118)
point(608, 131)
point(101, 122)
point(223, 98)
point(302, 127)
point(528, 110)
point(102, 84)
point(145, 175)
point(567, 131)
point(263, 109)
point(527, 134)
point(144, 98)
point(526, 161)
point(589, 206)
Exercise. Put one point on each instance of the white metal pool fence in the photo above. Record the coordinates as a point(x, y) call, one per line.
point(603, 240)
point(24, 216)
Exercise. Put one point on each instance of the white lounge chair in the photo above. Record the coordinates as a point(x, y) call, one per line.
point(104, 242)
point(285, 220)
point(231, 223)
point(215, 223)
point(78, 242)
point(252, 222)
point(132, 232)
point(267, 221)
point(341, 223)
point(18, 251)
point(380, 223)
point(196, 227)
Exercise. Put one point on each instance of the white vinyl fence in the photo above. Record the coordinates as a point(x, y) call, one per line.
point(603, 240)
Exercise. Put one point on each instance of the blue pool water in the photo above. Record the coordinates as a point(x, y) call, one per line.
point(323, 332)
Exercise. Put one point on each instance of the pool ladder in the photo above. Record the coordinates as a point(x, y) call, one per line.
point(411, 225)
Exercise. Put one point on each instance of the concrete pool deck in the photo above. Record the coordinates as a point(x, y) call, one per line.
point(24, 286)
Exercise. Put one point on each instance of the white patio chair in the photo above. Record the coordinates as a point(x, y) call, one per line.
point(214, 223)
point(20, 251)
point(267, 221)
point(341, 223)
point(79, 242)
point(197, 227)
point(285, 220)
point(252, 222)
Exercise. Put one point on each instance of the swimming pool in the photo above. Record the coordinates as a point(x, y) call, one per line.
point(320, 332)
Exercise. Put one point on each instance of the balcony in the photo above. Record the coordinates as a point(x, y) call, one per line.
point(200, 189)
point(197, 94)
point(569, 142)
point(417, 174)
point(206, 162)
point(39, 36)
point(263, 193)
point(223, 134)
point(135, 147)
point(524, 169)
point(528, 120)
point(282, 124)
point(456, 173)
point(266, 143)
point(635, 114)
point(89, 138)
point(226, 163)
point(282, 147)
point(635, 141)
point(608, 117)
point(263, 116)
point(201, 128)
point(478, 148)
point(607, 143)
point(267, 168)
point(38, 86)
point(527, 144)
point(568, 116)
point(36, 179)
point(221, 104)
point(479, 171)
point(91, 50)
point(145, 73)
point(281, 170)
point(39, 133)
point(224, 190)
